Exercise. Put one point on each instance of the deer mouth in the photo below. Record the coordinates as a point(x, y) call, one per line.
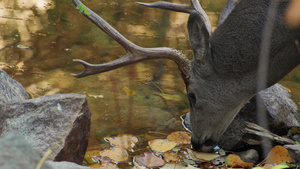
point(206, 146)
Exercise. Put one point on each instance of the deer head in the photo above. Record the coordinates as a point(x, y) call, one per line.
point(222, 76)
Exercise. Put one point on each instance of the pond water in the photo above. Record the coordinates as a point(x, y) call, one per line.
point(39, 39)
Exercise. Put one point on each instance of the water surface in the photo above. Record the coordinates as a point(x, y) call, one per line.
point(39, 39)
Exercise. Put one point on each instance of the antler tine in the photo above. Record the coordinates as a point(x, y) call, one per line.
point(133, 54)
point(195, 5)
point(169, 6)
point(199, 9)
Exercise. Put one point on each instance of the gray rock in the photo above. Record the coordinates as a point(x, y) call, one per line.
point(282, 114)
point(294, 151)
point(16, 153)
point(65, 165)
point(280, 106)
point(11, 90)
point(249, 156)
point(58, 122)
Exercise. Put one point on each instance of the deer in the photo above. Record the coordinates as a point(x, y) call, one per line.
point(222, 75)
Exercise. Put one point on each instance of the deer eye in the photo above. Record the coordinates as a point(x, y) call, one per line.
point(192, 98)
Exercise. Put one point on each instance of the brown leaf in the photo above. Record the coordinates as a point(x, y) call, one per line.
point(199, 156)
point(181, 137)
point(116, 154)
point(149, 160)
point(161, 145)
point(171, 156)
point(126, 141)
point(279, 155)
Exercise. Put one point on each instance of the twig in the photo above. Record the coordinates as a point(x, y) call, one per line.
point(251, 128)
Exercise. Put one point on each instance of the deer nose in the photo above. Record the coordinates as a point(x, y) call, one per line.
point(206, 146)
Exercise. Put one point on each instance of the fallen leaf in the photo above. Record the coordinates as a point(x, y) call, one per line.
point(116, 154)
point(109, 165)
point(173, 166)
point(126, 141)
point(190, 167)
point(235, 161)
point(278, 155)
point(129, 92)
point(161, 145)
point(181, 137)
point(149, 160)
point(97, 165)
point(89, 156)
point(281, 166)
point(169, 97)
point(171, 156)
point(199, 156)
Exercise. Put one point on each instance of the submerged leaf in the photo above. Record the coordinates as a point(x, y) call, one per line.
point(89, 156)
point(149, 160)
point(199, 156)
point(161, 145)
point(171, 156)
point(128, 91)
point(116, 154)
point(181, 137)
point(235, 161)
point(126, 141)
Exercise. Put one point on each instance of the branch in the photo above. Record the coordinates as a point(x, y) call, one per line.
point(251, 128)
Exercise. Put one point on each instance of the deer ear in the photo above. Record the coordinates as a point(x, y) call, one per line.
point(199, 36)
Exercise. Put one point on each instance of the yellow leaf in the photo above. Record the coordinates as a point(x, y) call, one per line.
point(126, 141)
point(89, 155)
point(278, 155)
point(171, 156)
point(181, 137)
point(97, 165)
point(116, 154)
point(235, 161)
point(129, 92)
point(199, 156)
point(161, 145)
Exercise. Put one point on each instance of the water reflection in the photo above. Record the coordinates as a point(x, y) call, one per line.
point(39, 39)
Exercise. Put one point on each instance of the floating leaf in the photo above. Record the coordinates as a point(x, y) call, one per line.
point(171, 156)
point(199, 156)
point(97, 165)
point(129, 92)
point(173, 166)
point(116, 154)
point(169, 97)
point(89, 156)
point(181, 137)
point(278, 155)
point(281, 166)
point(235, 161)
point(190, 167)
point(83, 9)
point(126, 141)
point(161, 145)
point(109, 165)
point(149, 160)
point(189, 162)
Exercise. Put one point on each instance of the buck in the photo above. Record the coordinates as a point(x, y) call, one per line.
point(222, 76)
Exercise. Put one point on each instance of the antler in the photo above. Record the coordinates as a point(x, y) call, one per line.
point(195, 5)
point(133, 54)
